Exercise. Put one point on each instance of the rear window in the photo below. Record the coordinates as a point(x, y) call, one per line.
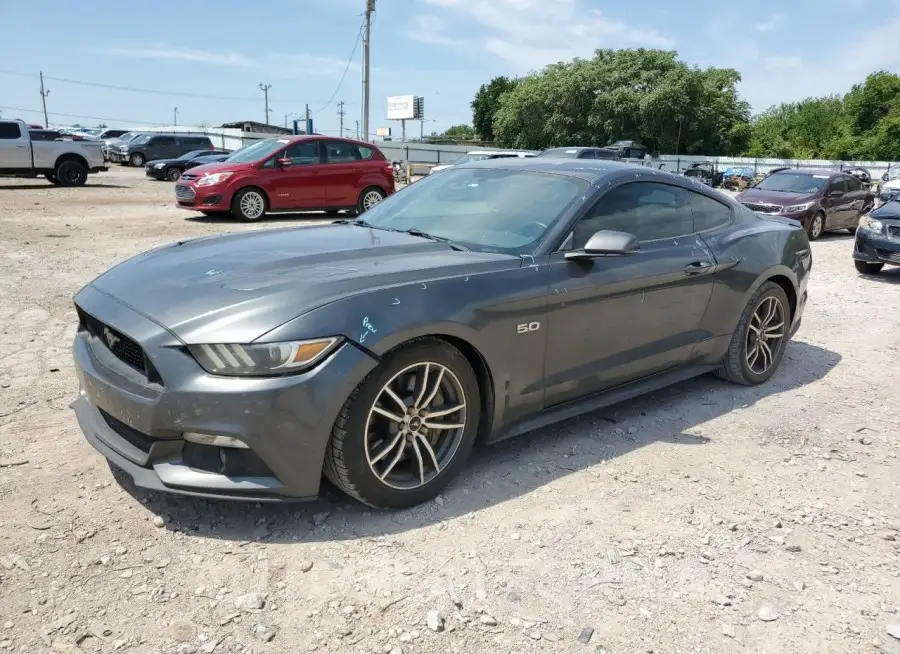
point(10, 131)
point(194, 142)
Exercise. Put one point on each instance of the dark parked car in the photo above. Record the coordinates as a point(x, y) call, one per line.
point(860, 173)
point(878, 236)
point(171, 169)
point(608, 154)
point(705, 173)
point(291, 173)
point(148, 147)
point(628, 149)
point(820, 200)
point(478, 304)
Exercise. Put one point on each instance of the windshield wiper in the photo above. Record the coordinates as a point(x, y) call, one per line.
point(432, 237)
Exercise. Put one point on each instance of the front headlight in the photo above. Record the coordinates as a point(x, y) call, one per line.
point(869, 224)
point(797, 208)
point(212, 180)
point(159, 166)
point(262, 359)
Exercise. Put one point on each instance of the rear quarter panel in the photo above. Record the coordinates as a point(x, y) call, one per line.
point(754, 250)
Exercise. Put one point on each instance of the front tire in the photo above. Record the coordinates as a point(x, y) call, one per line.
point(137, 159)
point(408, 428)
point(71, 173)
point(816, 226)
point(173, 174)
point(759, 341)
point(249, 204)
point(369, 198)
point(866, 268)
point(50, 177)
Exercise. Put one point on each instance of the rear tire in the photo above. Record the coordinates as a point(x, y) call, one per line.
point(249, 204)
point(370, 196)
point(70, 173)
point(866, 268)
point(747, 350)
point(365, 442)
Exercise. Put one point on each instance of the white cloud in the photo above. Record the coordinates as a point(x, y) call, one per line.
point(529, 34)
point(163, 52)
point(432, 30)
point(771, 24)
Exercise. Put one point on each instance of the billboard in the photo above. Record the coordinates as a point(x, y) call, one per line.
point(401, 107)
point(383, 131)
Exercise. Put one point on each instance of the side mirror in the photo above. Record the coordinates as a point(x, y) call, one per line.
point(606, 243)
point(835, 194)
point(283, 162)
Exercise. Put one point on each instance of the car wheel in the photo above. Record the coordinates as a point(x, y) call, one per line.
point(867, 268)
point(50, 177)
point(408, 428)
point(71, 173)
point(816, 226)
point(758, 343)
point(369, 198)
point(249, 204)
point(137, 159)
point(173, 174)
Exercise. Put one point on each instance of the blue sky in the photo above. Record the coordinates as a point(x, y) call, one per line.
point(440, 49)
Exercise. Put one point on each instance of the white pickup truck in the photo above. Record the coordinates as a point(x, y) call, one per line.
point(64, 163)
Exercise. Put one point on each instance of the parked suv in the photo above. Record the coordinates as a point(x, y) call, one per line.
point(300, 173)
point(820, 200)
point(147, 147)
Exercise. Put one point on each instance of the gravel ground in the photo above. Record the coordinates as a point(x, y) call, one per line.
point(704, 518)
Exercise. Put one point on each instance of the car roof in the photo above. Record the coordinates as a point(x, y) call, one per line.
point(295, 138)
point(811, 171)
point(590, 170)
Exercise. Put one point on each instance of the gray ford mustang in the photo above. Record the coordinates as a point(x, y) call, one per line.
point(478, 304)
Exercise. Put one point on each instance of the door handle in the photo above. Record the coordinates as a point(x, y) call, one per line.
point(697, 267)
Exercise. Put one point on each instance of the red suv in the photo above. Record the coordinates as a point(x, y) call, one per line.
point(293, 173)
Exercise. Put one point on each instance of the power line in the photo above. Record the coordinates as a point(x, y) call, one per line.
point(133, 89)
point(100, 118)
point(346, 68)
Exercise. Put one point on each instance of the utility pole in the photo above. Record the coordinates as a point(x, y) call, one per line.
point(265, 89)
point(370, 9)
point(341, 113)
point(175, 116)
point(44, 93)
point(357, 129)
point(306, 129)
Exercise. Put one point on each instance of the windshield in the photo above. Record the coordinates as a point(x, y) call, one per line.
point(192, 154)
point(140, 139)
point(483, 209)
point(257, 151)
point(785, 182)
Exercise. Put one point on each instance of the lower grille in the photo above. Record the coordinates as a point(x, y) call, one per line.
point(887, 255)
point(183, 192)
point(762, 208)
point(122, 347)
point(136, 438)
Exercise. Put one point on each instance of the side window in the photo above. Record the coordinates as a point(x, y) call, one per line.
point(339, 152)
point(708, 213)
point(586, 154)
point(649, 210)
point(162, 141)
point(303, 153)
point(364, 152)
point(10, 131)
point(837, 184)
point(853, 184)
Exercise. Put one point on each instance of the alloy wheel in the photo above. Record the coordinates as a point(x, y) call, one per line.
point(415, 426)
point(252, 205)
point(370, 199)
point(815, 229)
point(765, 334)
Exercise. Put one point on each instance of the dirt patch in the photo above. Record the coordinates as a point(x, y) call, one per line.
point(707, 517)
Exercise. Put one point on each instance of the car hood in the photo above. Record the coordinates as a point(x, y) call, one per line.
point(889, 211)
point(220, 166)
point(234, 288)
point(758, 196)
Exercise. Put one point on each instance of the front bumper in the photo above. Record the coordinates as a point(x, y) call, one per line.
point(876, 248)
point(154, 173)
point(136, 419)
point(210, 198)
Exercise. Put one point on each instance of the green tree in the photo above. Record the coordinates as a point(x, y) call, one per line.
point(460, 133)
point(486, 103)
point(645, 95)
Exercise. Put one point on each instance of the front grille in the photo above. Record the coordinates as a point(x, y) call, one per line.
point(893, 231)
point(122, 347)
point(184, 193)
point(762, 208)
point(189, 176)
point(136, 438)
point(887, 255)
